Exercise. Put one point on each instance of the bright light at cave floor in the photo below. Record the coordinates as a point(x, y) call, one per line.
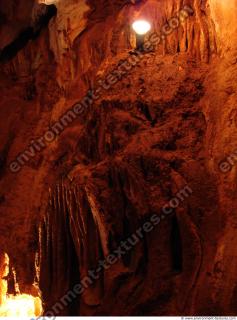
point(19, 305)
point(22, 305)
point(141, 27)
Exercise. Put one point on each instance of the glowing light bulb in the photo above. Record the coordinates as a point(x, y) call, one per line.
point(141, 27)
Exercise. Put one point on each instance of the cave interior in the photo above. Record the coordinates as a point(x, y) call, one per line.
point(118, 158)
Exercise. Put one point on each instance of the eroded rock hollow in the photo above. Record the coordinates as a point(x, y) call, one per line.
point(118, 165)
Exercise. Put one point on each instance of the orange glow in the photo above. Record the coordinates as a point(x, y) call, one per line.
point(20, 305)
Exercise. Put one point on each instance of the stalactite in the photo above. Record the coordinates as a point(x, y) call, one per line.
point(176, 246)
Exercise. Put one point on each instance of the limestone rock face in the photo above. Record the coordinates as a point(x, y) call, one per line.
point(161, 132)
